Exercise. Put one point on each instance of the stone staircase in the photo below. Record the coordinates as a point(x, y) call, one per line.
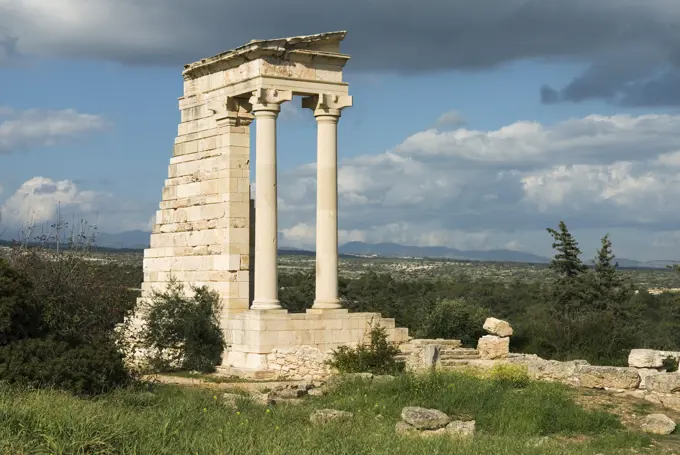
point(452, 357)
point(436, 352)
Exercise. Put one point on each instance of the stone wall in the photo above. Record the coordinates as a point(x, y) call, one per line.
point(300, 363)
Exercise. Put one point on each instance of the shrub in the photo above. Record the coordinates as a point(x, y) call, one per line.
point(670, 364)
point(456, 319)
point(86, 369)
point(515, 376)
point(20, 314)
point(378, 357)
point(183, 332)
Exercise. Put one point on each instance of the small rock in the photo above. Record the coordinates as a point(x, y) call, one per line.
point(497, 327)
point(289, 392)
point(231, 399)
point(323, 416)
point(461, 429)
point(658, 424)
point(383, 378)
point(404, 428)
point(265, 399)
point(315, 393)
point(424, 419)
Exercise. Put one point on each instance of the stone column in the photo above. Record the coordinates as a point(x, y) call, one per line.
point(327, 113)
point(266, 107)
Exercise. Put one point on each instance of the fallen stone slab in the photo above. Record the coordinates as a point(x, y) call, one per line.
point(497, 327)
point(663, 383)
point(324, 416)
point(423, 418)
point(658, 424)
point(599, 377)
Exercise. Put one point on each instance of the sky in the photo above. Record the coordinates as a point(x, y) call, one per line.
point(475, 125)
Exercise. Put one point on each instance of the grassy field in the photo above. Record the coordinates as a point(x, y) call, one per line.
point(540, 418)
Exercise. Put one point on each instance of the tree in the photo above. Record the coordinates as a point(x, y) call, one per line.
point(566, 262)
point(608, 277)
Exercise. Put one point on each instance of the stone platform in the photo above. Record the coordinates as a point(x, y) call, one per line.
point(277, 344)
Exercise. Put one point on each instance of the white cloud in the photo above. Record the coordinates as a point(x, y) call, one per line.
point(471, 189)
point(41, 201)
point(20, 130)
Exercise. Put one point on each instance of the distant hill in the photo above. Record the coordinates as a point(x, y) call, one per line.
point(138, 240)
point(397, 250)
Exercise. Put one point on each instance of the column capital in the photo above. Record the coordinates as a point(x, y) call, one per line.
point(327, 104)
point(231, 111)
point(269, 99)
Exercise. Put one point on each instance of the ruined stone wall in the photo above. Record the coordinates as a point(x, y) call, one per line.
point(202, 231)
point(300, 363)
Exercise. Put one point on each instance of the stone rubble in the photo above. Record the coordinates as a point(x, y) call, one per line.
point(324, 416)
point(425, 422)
point(658, 424)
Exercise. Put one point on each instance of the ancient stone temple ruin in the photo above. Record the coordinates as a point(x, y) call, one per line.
point(205, 231)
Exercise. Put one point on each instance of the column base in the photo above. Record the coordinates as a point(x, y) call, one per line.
point(326, 305)
point(266, 304)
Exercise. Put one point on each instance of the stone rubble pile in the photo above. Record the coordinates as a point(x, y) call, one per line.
point(417, 421)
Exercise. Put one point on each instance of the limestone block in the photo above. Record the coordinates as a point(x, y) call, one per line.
point(492, 347)
point(646, 373)
point(497, 327)
point(658, 424)
point(645, 358)
point(663, 383)
point(424, 419)
point(599, 377)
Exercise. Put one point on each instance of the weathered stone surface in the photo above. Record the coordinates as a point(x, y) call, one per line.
point(383, 378)
point(423, 418)
point(461, 429)
point(265, 399)
point(315, 393)
point(598, 377)
point(644, 358)
point(498, 327)
point(663, 383)
point(552, 370)
point(231, 399)
point(405, 429)
point(658, 424)
point(646, 373)
point(323, 416)
point(492, 347)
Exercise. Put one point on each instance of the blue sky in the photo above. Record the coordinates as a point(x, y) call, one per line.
point(91, 113)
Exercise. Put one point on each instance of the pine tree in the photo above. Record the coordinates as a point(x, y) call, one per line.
point(566, 262)
point(606, 270)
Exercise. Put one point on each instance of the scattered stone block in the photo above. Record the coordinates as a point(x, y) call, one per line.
point(498, 327)
point(492, 347)
point(460, 429)
point(315, 393)
point(599, 377)
point(658, 424)
point(663, 383)
point(424, 419)
point(324, 416)
point(645, 358)
point(646, 373)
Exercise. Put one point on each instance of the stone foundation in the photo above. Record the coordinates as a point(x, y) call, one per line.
point(278, 344)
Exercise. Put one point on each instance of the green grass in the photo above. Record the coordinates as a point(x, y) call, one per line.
point(175, 420)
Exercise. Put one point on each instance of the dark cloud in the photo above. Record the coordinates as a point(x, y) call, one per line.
point(384, 35)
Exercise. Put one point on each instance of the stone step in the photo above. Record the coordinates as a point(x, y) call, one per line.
point(461, 355)
point(455, 362)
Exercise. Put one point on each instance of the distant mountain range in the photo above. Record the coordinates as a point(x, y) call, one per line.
point(140, 240)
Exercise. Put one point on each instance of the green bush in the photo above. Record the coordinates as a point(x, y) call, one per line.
point(456, 319)
point(670, 364)
point(378, 357)
point(515, 376)
point(20, 314)
point(183, 332)
point(86, 369)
